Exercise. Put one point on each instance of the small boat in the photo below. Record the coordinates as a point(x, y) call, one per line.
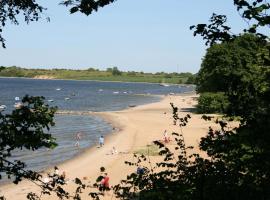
point(2, 107)
point(50, 100)
point(100, 90)
point(58, 89)
point(18, 105)
point(116, 92)
point(67, 98)
point(164, 84)
point(125, 92)
point(17, 98)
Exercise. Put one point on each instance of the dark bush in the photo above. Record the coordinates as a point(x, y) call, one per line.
point(212, 103)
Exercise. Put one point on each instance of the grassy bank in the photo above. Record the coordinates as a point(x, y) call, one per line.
point(111, 74)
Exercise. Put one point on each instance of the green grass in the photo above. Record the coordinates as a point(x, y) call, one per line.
point(151, 150)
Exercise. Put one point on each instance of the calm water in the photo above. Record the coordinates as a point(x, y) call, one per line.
point(77, 96)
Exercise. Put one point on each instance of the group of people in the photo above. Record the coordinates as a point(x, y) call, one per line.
point(78, 137)
point(56, 177)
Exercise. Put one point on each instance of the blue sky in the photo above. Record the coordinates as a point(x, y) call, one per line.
point(139, 35)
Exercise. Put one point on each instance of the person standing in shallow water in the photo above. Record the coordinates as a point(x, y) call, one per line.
point(101, 141)
point(78, 137)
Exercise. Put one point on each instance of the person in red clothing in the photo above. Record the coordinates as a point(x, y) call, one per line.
point(105, 183)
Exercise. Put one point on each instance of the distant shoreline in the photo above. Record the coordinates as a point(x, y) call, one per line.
point(182, 84)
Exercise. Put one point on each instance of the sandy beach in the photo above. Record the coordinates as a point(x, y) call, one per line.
point(135, 128)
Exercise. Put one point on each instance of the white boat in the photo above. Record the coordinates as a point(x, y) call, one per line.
point(100, 90)
point(50, 100)
point(67, 98)
point(17, 98)
point(18, 105)
point(116, 92)
point(164, 84)
point(58, 89)
point(2, 107)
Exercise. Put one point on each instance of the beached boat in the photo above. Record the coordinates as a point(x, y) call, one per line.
point(131, 105)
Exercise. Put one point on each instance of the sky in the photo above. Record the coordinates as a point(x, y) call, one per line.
point(134, 35)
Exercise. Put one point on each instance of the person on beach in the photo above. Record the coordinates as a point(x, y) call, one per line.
point(78, 137)
point(104, 184)
point(114, 151)
point(101, 141)
point(166, 137)
point(56, 171)
point(62, 178)
point(140, 170)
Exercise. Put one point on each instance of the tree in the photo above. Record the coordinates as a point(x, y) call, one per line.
point(25, 128)
point(226, 63)
point(116, 71)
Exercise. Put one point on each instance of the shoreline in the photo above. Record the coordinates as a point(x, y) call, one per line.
point(182, 84)
point(132, 124)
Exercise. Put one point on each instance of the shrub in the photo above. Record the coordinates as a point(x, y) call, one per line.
point(212, 103)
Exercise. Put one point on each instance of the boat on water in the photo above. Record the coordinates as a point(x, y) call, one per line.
point(18, 105)
point(67, 98)
point(116, 92)
point(58, 89)
point(164, 84)
point(2, 107)
point(50, 100)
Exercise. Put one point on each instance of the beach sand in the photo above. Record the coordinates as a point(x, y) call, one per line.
point(135, 128)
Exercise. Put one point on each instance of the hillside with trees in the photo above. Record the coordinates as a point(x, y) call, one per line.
point(110, 74)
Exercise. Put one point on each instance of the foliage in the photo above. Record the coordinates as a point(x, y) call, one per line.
point(116, 71)
point(9, 10)
point(191, 79)
point(26, 128)
point(212, 103)
point(254, 13)
point(86, 6)
point(226, 64)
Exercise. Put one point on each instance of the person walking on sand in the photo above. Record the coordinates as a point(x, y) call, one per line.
point(101, 141)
